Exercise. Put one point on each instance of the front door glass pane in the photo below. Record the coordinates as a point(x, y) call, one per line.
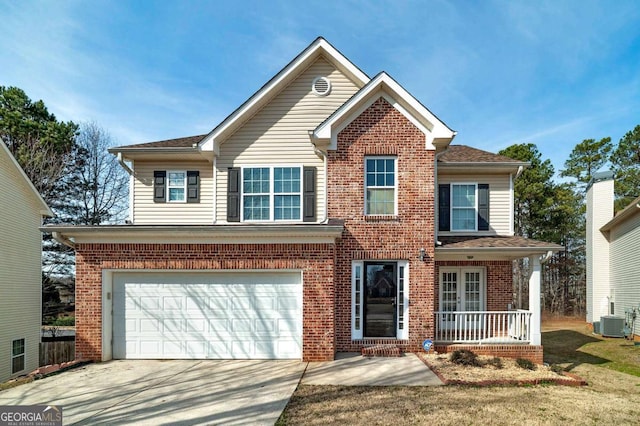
point(380, 300)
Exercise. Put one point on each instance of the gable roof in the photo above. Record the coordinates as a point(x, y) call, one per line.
point(464, 155)
point(44, 208)
point(436, 132)
point(319, 47)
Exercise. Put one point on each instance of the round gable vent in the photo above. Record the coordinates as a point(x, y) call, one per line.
point(321, 86)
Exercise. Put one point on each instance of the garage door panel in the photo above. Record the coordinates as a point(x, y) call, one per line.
point(266, 327)
point(212, 315)
point(196, 325)
point(151, 325)
point(173, 348)
point(241, 326)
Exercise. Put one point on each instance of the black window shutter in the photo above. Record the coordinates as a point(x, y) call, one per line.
point(309, 194)
point(233, 195)
point(483, 207)
point(193, 186)
point(444, 207)
point(159, 178)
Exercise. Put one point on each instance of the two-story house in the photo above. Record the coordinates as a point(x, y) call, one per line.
point(328, 213)
point(22, 210)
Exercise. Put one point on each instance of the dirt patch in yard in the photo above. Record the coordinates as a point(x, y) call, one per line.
point(459, 405)
point(495, 371)
point(611, 397)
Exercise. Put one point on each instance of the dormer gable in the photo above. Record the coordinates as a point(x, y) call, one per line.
point(437, 134)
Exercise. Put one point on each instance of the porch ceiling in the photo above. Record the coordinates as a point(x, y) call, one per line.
point(491, 248)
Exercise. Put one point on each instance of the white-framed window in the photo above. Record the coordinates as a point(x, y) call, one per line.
point(272, 193)
point(176, 186)
point(379, 300)
point(464, 207)
point(380, 184)
point(17, 356)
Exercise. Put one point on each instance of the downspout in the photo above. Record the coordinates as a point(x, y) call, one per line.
point(543, 259)
point(123, 164)
point(325, 162)
point(63, 240)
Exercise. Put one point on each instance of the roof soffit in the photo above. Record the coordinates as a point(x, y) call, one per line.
point(382, 85)
point(628, 212)
point(319, 48)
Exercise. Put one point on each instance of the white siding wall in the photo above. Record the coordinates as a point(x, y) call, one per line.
point(500, 216)
point(20, 267)
point(278, 134)
point(146, 211)
point(625, 267)
point(599, 212)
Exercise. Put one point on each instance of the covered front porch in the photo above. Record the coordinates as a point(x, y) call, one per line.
point(475, 306)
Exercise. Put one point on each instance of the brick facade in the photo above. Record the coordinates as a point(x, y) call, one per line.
point(316, 261)
point(499, 275)
point(382, 130)
point(533, 353)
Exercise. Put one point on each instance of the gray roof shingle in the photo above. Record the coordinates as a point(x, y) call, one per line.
point(467, 154)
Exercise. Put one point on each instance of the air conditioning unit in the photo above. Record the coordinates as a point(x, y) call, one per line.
point(611, 326)
point(596, 327)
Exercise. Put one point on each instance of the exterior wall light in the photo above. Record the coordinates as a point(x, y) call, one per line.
point(423, 255)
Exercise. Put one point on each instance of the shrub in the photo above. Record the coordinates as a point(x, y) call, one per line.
point(495, 362)
point(465, 357)
point(64, 321)
point(558, 369)
point(525, 364)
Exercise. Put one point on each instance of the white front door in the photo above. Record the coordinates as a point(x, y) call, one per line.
point(214, 315)
point(461, 290)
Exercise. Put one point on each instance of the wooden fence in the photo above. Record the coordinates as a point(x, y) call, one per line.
point(57, 352)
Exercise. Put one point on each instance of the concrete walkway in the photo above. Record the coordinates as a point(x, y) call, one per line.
point(352, 369)
point(172, 392)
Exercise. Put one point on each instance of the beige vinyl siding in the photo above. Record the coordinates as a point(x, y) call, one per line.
point(599, 212)
point(500, 208)
point(20, 267)
point(147, 212)
point(625, 267)
point(278, 133)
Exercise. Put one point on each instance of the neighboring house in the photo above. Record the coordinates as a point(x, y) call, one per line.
point(21, 212)
point(328, 213)
point(613, 256)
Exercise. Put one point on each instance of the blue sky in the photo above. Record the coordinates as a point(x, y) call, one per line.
point(499, 72)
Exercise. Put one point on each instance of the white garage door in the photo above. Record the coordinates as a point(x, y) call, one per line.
point(207, 315)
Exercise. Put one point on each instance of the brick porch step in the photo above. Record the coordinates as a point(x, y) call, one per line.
point(382, 351)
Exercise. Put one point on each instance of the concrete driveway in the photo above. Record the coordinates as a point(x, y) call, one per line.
point(166, 392)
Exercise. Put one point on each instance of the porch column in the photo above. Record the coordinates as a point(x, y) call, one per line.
point(534, 299)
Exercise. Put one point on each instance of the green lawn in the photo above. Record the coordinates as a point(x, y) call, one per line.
point(572, 344)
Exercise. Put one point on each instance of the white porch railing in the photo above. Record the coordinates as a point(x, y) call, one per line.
point(483, 327)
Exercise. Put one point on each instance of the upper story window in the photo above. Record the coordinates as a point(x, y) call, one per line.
point(17, 356)
point(271, 193)
point(176, 186)
point(380, 185)
point(463, 207)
